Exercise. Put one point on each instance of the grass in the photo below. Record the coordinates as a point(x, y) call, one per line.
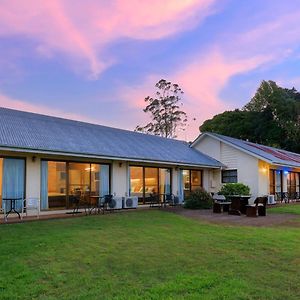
point(288, 209)
point(147, 255)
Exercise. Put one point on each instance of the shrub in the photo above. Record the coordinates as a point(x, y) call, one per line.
point(234, 189)
point(198, 199)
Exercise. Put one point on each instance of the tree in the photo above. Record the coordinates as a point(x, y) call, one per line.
point(272, 117)
point(165, 112)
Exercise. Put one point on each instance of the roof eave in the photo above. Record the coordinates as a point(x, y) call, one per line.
point(106, 157)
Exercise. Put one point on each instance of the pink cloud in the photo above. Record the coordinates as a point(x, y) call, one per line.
point(8, 102)
point(82, 31)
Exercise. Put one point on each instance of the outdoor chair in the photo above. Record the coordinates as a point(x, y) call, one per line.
point(154, 200)
point(31, 204)
point(258, 208)
point(103, 204)
point(171, 199)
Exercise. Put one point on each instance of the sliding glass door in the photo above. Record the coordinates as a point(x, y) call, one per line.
point(62, 180)
point(145, 181)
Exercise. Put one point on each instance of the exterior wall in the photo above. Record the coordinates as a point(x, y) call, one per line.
point(119, 173)
point(263, 178)
point(210, 147)
point(33, 177)
point(119, 179)
point(247, 166)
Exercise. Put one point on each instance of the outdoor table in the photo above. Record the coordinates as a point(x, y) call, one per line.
point(238, 204)
point(12, 206)
point(221, 206)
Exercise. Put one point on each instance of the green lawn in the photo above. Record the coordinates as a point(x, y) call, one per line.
point(287, 208)
point(147, 255)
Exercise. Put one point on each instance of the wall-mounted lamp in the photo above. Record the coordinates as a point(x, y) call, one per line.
point(120, 164)
point(264, 170)
point(33, 158)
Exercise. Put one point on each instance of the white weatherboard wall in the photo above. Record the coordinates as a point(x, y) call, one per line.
point(247, 166)
point(119, 179)
point(33, 177)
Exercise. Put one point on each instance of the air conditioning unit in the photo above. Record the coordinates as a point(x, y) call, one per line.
point(271, 199)
point(130, 202)
point(115, 203)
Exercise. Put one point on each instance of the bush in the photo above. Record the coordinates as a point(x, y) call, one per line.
point(234, 189)
point(198, 199)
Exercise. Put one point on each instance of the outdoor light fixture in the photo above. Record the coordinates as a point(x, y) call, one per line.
point(120, 164)
point(33, 158)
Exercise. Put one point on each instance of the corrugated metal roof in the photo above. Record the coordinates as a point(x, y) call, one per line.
point(25, 130)
point(274, 155)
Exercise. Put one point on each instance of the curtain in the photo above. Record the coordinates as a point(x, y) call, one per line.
point(180, 187)
point(104, 180)
point(167, 181)
point(44, 184)
point(13, 185)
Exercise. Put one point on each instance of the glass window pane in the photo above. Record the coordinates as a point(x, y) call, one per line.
point(57, 184)
point(1, 171)
point(151, 181)
point(95, 180)
point(229, 176)
point(195, 180)
point(186, 182)
point(79, 178)
point(278, 175)
point(136, 182)
point(164, 181)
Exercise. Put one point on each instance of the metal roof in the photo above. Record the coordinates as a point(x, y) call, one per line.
point(266, 153)
point(30, 131)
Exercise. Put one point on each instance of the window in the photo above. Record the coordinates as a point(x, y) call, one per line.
point(272, 182)
point(57, 184)
point(291, 183)
point(148, 180)
point(229, 176)
point(192, 180)
point(60, 180)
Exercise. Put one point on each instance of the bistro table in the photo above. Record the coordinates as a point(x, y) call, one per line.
point(12, 202)
point(238, 204)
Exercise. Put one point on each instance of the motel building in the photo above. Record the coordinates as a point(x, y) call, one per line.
point(53, 158)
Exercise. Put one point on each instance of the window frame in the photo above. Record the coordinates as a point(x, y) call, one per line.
point(231, 176)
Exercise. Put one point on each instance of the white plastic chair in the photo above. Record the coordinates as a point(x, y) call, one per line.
point(32, 204)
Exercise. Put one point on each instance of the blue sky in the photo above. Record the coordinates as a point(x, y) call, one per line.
point(97, 60)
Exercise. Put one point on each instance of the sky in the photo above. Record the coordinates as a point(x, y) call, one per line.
point(96, 60)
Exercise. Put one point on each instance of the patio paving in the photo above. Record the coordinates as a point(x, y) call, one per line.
point(273, 219)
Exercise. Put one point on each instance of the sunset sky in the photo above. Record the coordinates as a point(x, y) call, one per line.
point(97, 60)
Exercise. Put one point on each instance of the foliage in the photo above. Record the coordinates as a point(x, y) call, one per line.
point(147, 255)
point(164, 110)
point(272, 118)
point(234, 189)
point(198, 199)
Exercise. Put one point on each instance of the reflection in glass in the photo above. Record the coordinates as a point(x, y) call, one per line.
point(136, 182)
point(164, 181)
point(151, 181)
point(196, 180)
point(1, 168)
point(57, 183)
point(186, 183)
